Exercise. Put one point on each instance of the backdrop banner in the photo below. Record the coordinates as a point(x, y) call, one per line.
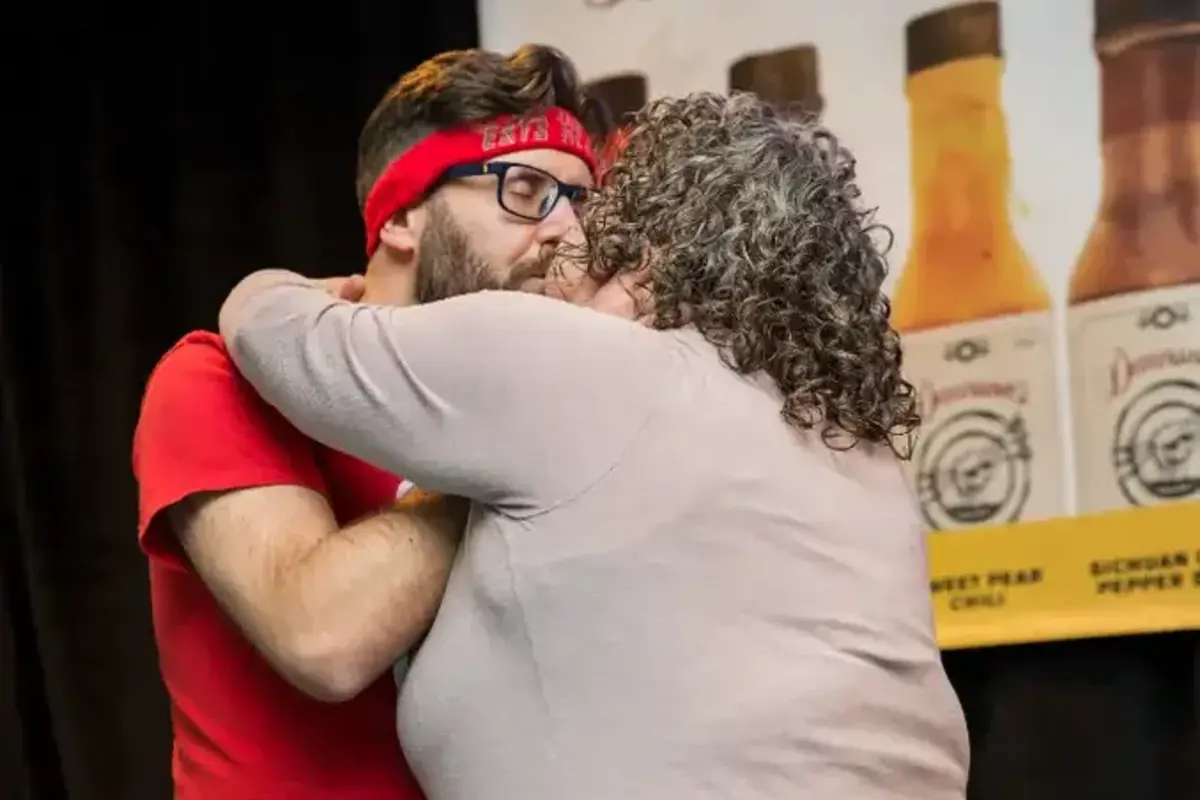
point(1039, 166)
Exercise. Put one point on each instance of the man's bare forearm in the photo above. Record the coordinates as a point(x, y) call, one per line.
point(330, 609)
point(363, 596)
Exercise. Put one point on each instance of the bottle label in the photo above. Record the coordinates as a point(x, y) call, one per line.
point(989, 450)
point(1135, 398)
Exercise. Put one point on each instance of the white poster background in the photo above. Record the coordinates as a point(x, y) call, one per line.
point(1051, 91)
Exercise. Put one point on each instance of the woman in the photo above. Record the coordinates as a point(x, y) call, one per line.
point(693, 568)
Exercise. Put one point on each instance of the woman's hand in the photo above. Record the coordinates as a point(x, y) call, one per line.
point(625, 294)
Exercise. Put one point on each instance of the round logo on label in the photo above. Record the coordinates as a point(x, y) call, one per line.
point(1156, 443)
point(973, 469)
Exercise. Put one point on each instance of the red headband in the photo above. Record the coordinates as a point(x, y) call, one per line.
point(409, 177)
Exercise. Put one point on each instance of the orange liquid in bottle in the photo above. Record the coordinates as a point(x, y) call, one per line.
point(964, 262)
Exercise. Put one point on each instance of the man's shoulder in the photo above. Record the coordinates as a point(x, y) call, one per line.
point(196, 389)
point(202, 428)
point(196, 371)
point(197, 350)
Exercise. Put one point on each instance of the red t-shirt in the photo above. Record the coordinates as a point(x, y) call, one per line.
point(241, 732)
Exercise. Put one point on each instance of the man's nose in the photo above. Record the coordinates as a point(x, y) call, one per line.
point(561, 225)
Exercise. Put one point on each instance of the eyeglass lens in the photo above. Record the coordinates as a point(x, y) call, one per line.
point(528, 192)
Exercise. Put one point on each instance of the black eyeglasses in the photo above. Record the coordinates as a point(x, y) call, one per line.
point(523, 191)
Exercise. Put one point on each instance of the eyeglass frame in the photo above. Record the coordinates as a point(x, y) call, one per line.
point(572, 191)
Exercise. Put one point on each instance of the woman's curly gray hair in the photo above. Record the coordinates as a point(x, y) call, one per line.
point(757, 236)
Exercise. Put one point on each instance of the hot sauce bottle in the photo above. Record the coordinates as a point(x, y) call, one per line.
point(622, 94)
point(974, 314)
point(1134, 298)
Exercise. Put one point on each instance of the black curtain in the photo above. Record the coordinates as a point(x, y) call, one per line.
point(154, 159)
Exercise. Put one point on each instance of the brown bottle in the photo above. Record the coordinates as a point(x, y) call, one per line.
point(789, 78)
point(1134, 318)
point(623, 94)
point(974, 314)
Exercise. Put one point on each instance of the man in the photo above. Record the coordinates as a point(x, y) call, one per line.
point(694, 569)
point(276, 561)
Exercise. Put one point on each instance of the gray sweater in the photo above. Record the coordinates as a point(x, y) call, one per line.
point(664, 591)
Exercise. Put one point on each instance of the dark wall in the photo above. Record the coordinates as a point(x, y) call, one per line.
point(151, 159)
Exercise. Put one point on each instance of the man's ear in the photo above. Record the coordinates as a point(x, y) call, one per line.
point(400, 234)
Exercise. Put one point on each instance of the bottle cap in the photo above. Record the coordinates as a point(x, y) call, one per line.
point(1122, 16)
point(787, 77)
point(621, 94)
point(950, 34)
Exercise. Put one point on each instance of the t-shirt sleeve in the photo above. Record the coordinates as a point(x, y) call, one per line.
point(202, 428)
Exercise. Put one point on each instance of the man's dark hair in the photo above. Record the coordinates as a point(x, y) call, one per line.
point(465, 86)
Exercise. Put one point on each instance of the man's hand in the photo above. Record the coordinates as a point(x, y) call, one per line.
point(445, 514)
point(349, 287)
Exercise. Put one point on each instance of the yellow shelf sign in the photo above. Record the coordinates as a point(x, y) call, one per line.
point(1111, 574)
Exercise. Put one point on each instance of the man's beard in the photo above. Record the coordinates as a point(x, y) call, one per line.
point(448, 267)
